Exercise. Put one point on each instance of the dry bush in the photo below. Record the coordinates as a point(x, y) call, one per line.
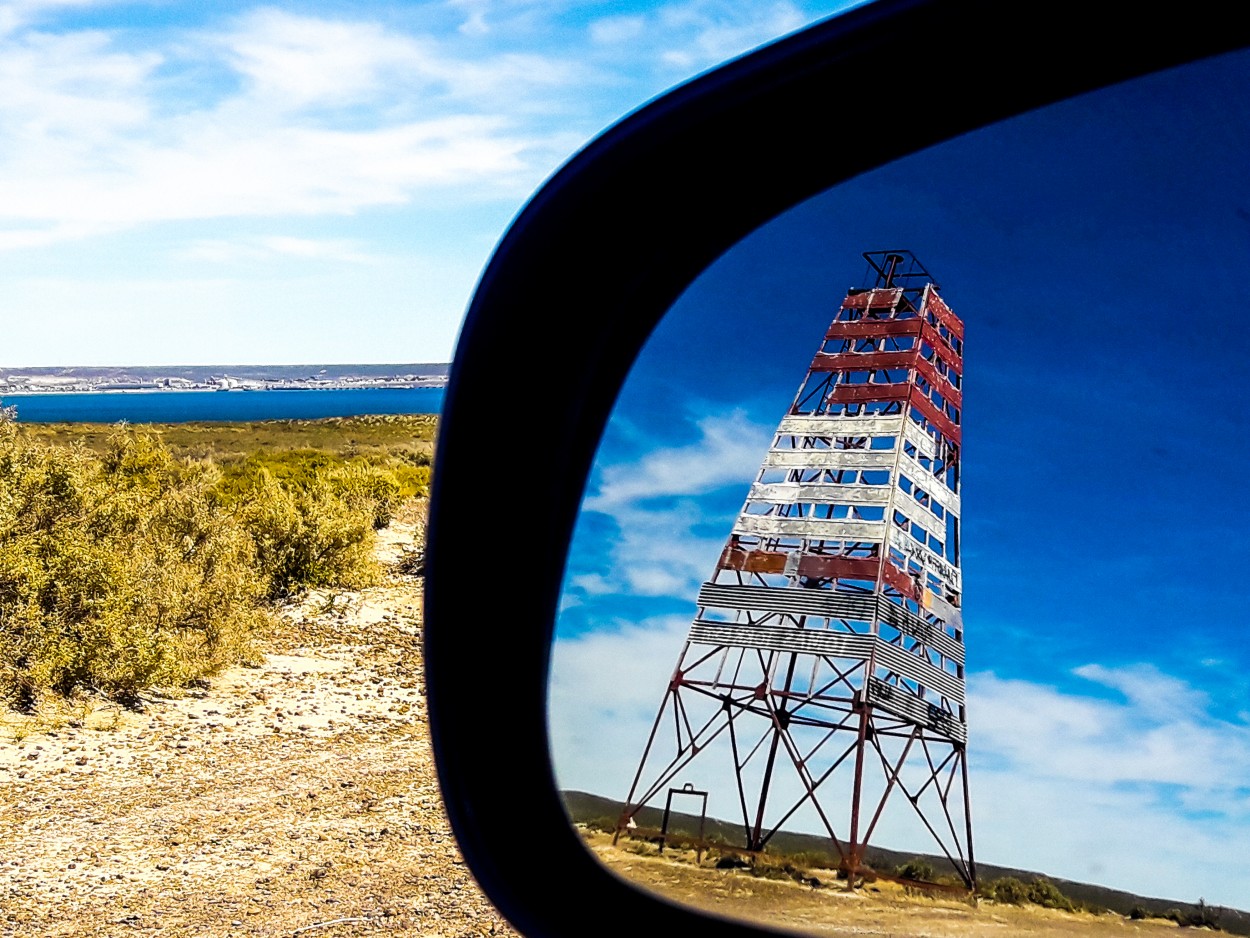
point(307, 536)
point(125, 568)
point(117, 572)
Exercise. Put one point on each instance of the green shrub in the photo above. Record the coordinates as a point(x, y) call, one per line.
point(917, 868)
point(1046, 894)
point(1007, 890)
point(1012, 891)
point(369, 489)
point(306, 536)
point(604, 824)
point(117, 572)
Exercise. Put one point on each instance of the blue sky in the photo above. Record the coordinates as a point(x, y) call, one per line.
point(1097, 252)
point(301, 182)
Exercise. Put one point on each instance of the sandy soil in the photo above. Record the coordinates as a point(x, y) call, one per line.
point(294, 798)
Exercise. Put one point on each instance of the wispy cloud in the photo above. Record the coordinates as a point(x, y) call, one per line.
point(1162, 733)
point(728, 449)
point(321, 117)
point(717, 31)
point(604, 692)
point(689, 36)
point(662, 544)
point(1110, 780)
point(18, 13)
point(261, 248)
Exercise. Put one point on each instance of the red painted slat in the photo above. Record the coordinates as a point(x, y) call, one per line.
point(947, 354)
point(873, 299)
point(863, 361)
point(846, 393)
point(935, 416)
point(873, 328)
point(945, 315)
point(944, 387)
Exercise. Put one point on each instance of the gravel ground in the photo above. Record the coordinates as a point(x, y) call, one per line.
point(294, 798)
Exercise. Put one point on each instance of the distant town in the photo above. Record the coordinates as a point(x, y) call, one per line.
point(220, 378)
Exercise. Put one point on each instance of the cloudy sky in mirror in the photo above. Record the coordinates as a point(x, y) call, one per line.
point(302, 182)
point(1097, 254)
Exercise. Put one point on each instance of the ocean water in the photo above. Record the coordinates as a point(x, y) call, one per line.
point(186, 406)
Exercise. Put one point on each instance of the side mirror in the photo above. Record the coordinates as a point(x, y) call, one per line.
point(588, 269)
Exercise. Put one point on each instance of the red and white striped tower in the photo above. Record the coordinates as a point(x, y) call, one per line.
point(828, 644)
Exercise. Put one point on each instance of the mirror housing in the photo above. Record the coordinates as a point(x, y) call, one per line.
point(592, 263)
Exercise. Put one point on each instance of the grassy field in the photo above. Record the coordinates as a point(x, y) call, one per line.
point(230, 442)
point(823, 906)
point(802, 858)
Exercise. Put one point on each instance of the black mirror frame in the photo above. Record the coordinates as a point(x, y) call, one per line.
point(592, 263)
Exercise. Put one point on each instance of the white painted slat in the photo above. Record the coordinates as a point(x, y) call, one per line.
point(924, 443)
point(889, 425)
point(828, 528)
point(790, 493)
point(828, 459)
point(827, 604)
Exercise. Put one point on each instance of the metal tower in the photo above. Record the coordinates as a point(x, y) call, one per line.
point(826, 659)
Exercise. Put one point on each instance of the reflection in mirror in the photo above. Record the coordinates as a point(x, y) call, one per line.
point(761, 637)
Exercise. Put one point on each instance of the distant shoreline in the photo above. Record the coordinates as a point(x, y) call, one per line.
point(424, 383)
point(17, 382)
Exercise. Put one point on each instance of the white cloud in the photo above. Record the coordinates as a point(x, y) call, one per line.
point(224, 251)
point(689, 36)
point(1110, 780)
point(296, 61)
point(657, 554)
point(325, 117)
point(17, 13)
point(729, 449)
point(656, 551)
point(1157, 695)
point(614, 29)
point(1161, 735)
point(715, 31)
point(62, 95)
point(474, 23)
point(604, 692)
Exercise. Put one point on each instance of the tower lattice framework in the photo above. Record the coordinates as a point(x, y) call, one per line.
point(825, 662)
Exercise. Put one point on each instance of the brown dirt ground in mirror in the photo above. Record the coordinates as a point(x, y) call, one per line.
point(881, 909)
point(296, 797)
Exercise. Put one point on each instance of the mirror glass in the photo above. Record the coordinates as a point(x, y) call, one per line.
point(1096, 252)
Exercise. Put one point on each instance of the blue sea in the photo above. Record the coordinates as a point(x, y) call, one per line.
point(187, 406)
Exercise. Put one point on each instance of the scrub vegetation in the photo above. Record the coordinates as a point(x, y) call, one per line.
point(133, 558)
point(802, 892)
point(710, 871)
